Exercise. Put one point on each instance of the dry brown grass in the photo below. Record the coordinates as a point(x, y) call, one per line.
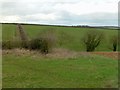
point(63, 53)
point(59, 53)
point(55, 53)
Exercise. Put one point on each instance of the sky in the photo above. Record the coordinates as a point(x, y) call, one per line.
point(60, 12)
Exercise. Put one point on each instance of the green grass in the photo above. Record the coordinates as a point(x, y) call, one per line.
point(41, 72)
point(73, 43)
point(87, 71)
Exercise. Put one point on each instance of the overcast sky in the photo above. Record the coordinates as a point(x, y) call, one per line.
point(62, 12)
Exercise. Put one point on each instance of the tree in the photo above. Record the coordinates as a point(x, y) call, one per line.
point(114, 42)
point(92, 39)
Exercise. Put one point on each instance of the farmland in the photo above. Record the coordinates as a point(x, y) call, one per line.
point(67, 66)
point(71, 40)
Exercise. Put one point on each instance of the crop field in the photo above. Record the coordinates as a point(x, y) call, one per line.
point(68, 65)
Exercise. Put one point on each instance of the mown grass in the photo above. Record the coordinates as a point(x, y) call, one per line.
point(73, 42)
point(41, 72)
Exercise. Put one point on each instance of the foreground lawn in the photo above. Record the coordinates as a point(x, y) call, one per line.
point(90, 71)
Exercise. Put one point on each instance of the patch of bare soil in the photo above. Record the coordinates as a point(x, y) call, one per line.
point(113, 55)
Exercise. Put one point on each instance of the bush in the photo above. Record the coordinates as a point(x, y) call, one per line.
point(92, 39)
point(24, 44)
point(11, 44)
point(20, 44)
point(44, 42)
point(45, 47)
point(114, 42)
point(39, 44)
point(35, 44)
point(7, 44)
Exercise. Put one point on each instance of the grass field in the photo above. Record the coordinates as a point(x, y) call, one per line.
point(71, 41)
point(67, 66)
point(36, 71)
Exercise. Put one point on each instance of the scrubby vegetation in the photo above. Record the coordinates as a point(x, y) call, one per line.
point(92, 39)
point(39, 44)
point(50, 38)
point(44, 42)
point(64, 37)
point(114, 42)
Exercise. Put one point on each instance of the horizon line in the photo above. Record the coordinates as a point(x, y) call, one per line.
point(79, 25)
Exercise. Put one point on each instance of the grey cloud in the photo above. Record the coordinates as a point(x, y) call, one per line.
point(27, 8)
point(90, 19)
point(67, 18)
point(23, 9)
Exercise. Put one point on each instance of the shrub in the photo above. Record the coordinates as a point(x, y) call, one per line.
point(92, 39)
point(17, 44)
point(45, 47)
point(7, 44)
point(39, 44)
point(44, 42)
point(114, 42)
point(35, 44)
point(10, 44)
